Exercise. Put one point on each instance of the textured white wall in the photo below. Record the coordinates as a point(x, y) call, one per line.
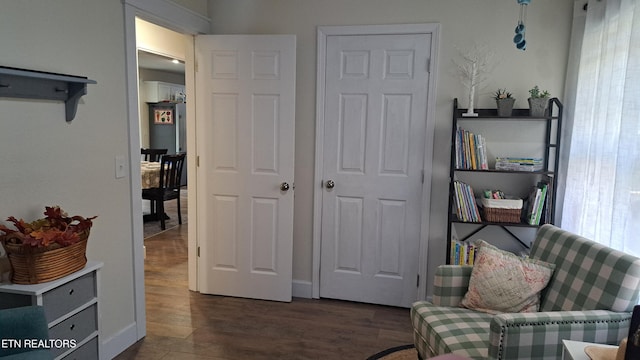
point(160, 40)
point(463, 23)
point(198, 6)
point(48, 161)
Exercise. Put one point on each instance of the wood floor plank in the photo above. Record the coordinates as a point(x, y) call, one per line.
point(186, 325)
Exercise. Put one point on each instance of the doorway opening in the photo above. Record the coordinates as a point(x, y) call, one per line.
point(161, 55)
point(185, 24)
point(161, 84)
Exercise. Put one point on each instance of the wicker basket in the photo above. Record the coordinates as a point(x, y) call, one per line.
point(502, 210)
point(33, 265)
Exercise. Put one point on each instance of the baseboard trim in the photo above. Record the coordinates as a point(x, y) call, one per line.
point(119, 342)
point(301, 289)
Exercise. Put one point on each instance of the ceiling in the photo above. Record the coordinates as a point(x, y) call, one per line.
point(147, 60)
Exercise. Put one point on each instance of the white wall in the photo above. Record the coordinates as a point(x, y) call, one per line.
point(197, 6)
point(463, 22)
point(159, 40)
point(46, 161)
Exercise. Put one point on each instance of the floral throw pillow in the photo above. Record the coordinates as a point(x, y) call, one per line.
point(502, 282)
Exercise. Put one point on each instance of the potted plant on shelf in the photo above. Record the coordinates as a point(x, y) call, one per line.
point(48, 248)
point(538, 101)
point(504, 102)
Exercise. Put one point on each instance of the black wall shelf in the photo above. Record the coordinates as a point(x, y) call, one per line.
point(32, 84)
point(551, 158)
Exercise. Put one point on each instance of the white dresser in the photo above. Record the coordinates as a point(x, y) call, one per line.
point(70, 306)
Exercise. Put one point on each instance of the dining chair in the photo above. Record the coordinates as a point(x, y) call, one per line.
point(169, 186)
point(152, 155)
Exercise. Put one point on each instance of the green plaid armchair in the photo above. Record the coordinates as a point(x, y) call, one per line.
point(589, 298)
point(18, 325)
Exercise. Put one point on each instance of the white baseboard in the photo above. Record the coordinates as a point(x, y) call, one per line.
point(301, 289)
point(119, 342)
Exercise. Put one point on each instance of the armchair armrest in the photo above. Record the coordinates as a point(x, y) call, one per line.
point(450, 284)
point(539, 335)
point(22, 323)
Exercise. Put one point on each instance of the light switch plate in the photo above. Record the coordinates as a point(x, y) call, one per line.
point(121, 170)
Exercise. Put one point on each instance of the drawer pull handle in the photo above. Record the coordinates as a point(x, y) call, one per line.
point(71, 292)
point(73, 326)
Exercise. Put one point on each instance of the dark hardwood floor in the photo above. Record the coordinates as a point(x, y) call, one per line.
point(188, 325)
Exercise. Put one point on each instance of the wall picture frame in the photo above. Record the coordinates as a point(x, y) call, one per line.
point(163, 116)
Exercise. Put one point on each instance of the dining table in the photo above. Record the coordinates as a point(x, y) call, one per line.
point(150, 176)
point(150, 173)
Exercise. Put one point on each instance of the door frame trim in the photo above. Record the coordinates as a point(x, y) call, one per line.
point(185, 21)
point(323, 33)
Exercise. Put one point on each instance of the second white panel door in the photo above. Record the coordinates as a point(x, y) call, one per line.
point(374, 140)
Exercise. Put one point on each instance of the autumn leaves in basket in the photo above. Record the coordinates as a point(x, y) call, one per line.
point(55, 227)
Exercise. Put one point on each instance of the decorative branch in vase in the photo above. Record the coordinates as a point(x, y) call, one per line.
point(474, 68)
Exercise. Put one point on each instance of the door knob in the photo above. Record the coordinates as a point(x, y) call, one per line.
point(284, 186)
point(329, 184)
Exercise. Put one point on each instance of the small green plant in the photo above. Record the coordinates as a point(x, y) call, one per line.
point(536, 93)
point(502, 94)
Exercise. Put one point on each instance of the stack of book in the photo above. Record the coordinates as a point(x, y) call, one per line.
point(462, 253)
point(470, 151)
point(519, 164)
point(537, 204)
point(465, 203)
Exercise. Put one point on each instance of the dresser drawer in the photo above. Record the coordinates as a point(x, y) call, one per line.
point(88, 351)
point(77, 327)
point(71, 308)
point(69, 296)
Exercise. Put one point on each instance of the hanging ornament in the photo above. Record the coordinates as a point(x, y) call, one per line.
point(519, 39)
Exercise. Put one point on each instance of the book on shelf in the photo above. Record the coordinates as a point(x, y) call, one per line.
point(548, 204)
point(466, 208)
point(538, 204)
point(470, 151)
point(462, 253)
point(519, 164)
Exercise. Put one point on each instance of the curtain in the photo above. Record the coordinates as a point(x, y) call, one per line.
point(602, 181)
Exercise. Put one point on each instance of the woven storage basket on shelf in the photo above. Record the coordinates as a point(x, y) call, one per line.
point(34, 265)
point(502, 210)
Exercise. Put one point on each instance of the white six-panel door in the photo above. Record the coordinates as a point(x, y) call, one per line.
point(245, 109)
point(375, 109)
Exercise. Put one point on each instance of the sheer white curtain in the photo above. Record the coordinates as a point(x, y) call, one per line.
point(602, 192)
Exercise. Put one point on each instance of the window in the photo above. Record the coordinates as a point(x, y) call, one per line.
point(602, 192)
